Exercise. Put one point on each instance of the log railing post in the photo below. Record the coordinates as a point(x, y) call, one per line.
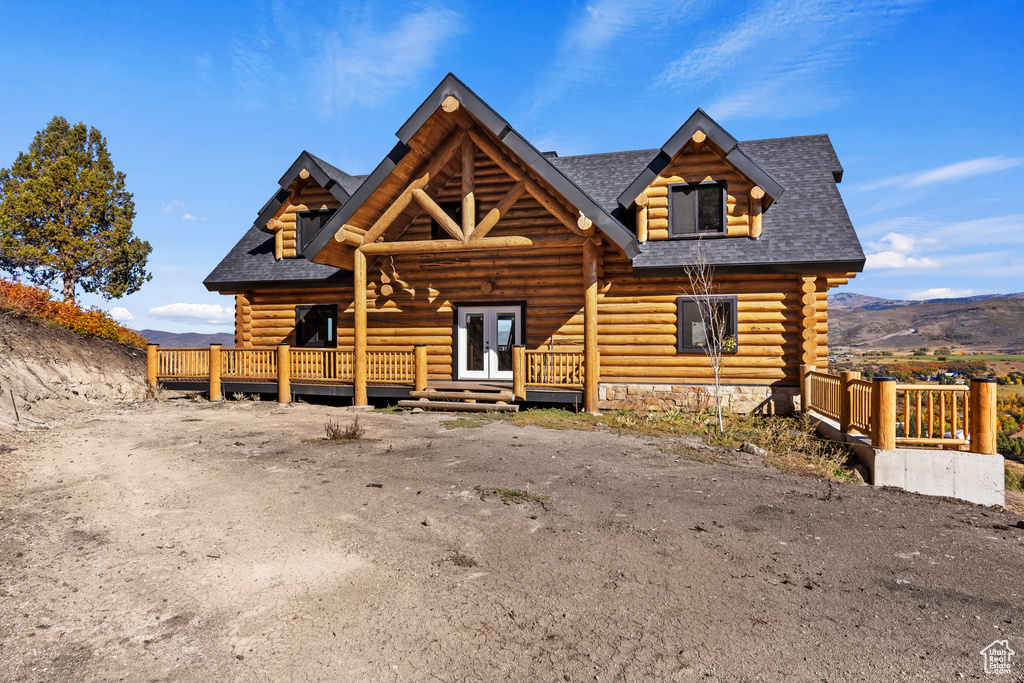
point(152, 354)
point(883, 413)
point(846, 399)
point(420, 362)
point(215, 394)
point(519, 372)
point(805, 386)
point(359, 347)
point(983, 416)
point(591, 358)
point(284, 374)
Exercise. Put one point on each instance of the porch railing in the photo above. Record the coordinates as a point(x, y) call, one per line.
point(321, 365)
point(183, 363)
point(248, 363)
point(390, 367)
point(549, 367)
point(893, 414)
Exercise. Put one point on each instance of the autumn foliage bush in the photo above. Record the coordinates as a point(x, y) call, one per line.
point(35, 302)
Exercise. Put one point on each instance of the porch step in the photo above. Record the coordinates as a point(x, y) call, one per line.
point(487, 396)
point(460, 406)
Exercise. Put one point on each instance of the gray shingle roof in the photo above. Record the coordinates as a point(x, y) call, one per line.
point(807, 229)
point(251, 264)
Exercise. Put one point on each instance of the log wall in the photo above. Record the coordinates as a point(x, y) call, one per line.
point(689, 166)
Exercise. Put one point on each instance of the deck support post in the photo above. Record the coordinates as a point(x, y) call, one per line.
point(420, 366)
point(983, 416)
point(591, 358)
point(215, 393)
point(152, 353)
point(883, 413)
point(284, 374)
point(805, 386)
point(845, 402)
point(519, 372)
point(359, 352)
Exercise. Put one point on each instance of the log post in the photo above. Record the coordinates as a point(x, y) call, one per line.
point(215, 393)
point(983, 415)
point(845, 399)
point(519, 372)
point(152, 354)
point(359, 354)
point(284, 374)
point(805, 386)
point(883, 413)
point(591, 359)
point(420, 361)
point(468, 197)
point(641, 218)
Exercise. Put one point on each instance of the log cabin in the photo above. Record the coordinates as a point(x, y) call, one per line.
point(468, 260)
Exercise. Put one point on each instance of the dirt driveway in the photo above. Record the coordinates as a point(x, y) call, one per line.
point(189, 542)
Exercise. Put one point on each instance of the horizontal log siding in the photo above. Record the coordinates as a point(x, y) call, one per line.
point(311, 197)
point(637, 329)
point(687, 167)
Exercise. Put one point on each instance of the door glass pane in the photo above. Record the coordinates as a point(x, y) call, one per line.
point(506, 338)
point(475, 342)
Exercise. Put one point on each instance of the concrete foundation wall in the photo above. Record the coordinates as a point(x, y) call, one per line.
point(973, 477)
point(735, 398)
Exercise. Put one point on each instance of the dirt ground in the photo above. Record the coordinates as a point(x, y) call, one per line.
point(181, 541)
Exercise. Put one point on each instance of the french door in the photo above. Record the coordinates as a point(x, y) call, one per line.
point(486, 336)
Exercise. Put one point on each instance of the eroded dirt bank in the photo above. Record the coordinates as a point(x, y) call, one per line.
point(187, 542)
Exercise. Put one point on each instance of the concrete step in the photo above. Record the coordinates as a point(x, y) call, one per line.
point(493, 396)
point(460, 406)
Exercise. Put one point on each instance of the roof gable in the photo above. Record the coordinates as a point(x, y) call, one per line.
point(330, 178)
point(716, 134)
point(519, 147)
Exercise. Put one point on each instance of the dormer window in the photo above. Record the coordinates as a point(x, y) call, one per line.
point(308, 224)
point(696, 209)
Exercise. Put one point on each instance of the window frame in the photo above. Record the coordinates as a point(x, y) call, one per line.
point(300, 231)
point(723, 186)
point(733, 317)
point(304, 309)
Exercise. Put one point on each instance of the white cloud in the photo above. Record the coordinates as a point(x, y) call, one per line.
point(364, 64)
point(959, 171)
point(120, 314)
point(188, 217)
point(783, 50)
point(194, 313)
point(167, 207)
point(896, 250)
point(941, 293)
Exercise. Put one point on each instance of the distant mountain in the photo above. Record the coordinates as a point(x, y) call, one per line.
point(994, 323)
point(848, 300)
point(187, 339)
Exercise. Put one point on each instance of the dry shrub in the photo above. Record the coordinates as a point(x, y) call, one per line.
point(335, 432)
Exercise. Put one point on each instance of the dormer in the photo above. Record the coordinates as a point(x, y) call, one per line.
point(311, 192)
point(700, 184)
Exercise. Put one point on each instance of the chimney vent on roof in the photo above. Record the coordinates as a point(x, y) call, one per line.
point(550, 155)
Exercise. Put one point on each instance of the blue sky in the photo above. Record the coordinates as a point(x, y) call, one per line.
point(205, 107)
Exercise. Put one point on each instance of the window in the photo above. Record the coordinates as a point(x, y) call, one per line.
point(308, 224)
point(692, 330)
point(453, 209)
point(316, 326)
point(696, 208)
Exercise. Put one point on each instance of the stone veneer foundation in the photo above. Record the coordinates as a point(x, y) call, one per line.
point(735, 398)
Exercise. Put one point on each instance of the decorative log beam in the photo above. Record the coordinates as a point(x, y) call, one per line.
point(591, 357)
point(438, 214)
point(442, 158)
point(698, 139)
point(450, 104)
point(275, 224)
point(756, 205)
point(641, 223)
point(479, 244)
point(495, 214)
point(359, 325)
point(344, 236)
point(468, 180)
point(585, 225)
point(304, 174)
point(279, 245)
point(513, 170)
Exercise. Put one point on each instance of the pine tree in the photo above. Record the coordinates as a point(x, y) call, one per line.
point(65, 214)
